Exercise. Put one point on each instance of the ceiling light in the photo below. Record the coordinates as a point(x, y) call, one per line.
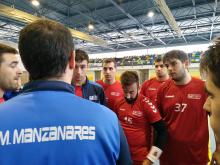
point(90, 26)
point(35, 2)
point(150, 14)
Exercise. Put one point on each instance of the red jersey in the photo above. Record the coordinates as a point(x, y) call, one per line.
point(78, 91)
point(112, 92)
point(149, 88)
point(135, 120)
point(181, 108)
point(2, 100)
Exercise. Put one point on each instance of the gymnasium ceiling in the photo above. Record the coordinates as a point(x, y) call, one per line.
point(123, 24)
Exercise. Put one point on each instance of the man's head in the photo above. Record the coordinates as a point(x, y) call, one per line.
point(177, 64)
point(109, 70)
point(130, 85)
point(160, 69)
point(210, 64)
point(46, 50)
point(10, 73)
point(81, 67)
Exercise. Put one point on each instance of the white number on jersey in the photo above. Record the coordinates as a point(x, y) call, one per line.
point(128, 120)
point(180, 107)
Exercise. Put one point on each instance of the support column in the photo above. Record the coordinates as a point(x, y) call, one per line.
point(97, 75)
point(144, 75)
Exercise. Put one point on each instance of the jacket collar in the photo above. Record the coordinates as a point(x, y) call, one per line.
point(47, 86)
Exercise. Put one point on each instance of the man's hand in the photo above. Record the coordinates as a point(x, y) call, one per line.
point(216, 156)
point(147, 162)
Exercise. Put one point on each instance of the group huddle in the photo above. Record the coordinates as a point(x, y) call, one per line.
point(61, 117)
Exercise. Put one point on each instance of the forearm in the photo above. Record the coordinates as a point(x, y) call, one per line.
point(161, 140)
point(161, 134)
point(217, 154)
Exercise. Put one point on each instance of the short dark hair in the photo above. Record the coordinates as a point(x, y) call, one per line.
point(81, 55)
point(177, 54)
point(45, 47)
point(210, 61)
point(109, 60)
point(158, 58)
point(129, 77)
point(6, 49)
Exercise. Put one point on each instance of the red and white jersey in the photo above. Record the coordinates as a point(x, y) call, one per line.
point(181, 108)
point(149, 88)
point(112, 92)
point(2, 100)
point(78, 91)
point(135, 120)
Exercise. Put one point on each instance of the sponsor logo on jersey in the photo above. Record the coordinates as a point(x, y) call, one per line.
point(137, 113)
point(93, 98)
point(121, 109)
point(115, 93)
point(152, 89)
point(169, 96)
point(194, 96)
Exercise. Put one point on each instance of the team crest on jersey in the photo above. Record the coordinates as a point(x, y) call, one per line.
point(137, 113)
point(94, 97)
point(194, 96)
point(115, 93)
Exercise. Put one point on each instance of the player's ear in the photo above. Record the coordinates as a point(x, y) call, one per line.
point(186, 63)
point(72, 60)
point(88, 64)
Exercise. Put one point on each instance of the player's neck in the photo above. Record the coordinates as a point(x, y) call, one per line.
point(164, 78)
point(185, 80)
point(80, 83)
point(109, 82)
point(1, 93)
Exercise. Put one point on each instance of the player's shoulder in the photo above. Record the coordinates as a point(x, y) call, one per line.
point(166, 84)
point(147, 82)
point(95, 84)
point(120, 100)
point(117, 83)
point(99, 81)
point(151, 80)
point(197, 80)
point(116, 86)
point(198, 83)
point(143, 99)
point(146, 102)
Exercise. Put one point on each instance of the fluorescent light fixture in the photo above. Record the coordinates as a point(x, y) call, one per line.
point(169, 16)
point(90, 26)
point(35, 2)
point(150, 14)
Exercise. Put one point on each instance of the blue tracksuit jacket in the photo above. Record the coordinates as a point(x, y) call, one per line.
point(48, 125)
